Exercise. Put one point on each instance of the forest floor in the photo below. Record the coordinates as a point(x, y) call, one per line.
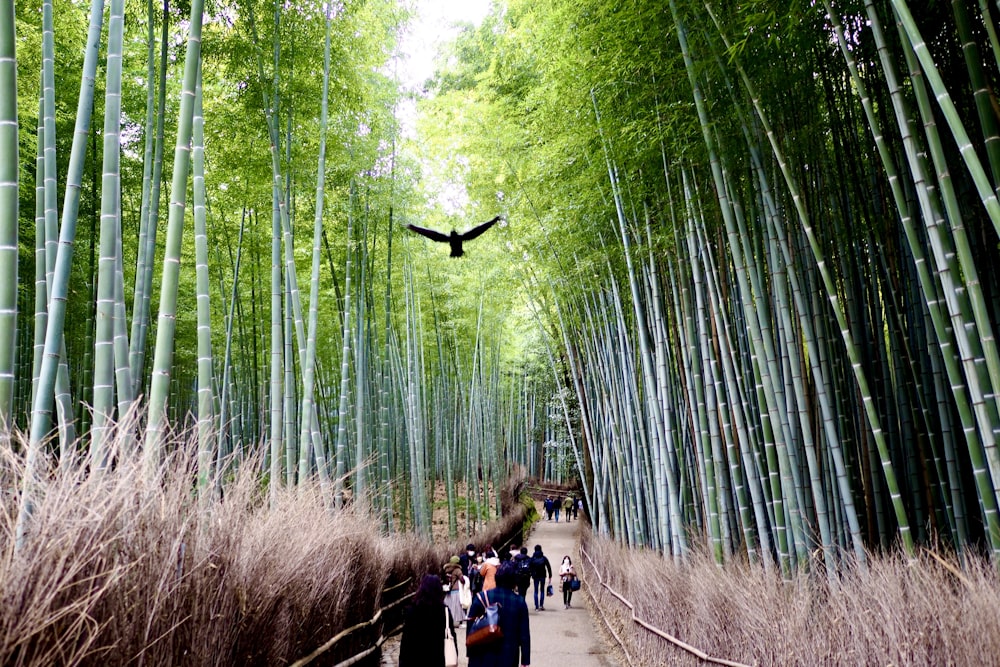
point(559, 637)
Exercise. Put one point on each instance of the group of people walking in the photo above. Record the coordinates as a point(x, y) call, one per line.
point(569, 506)
point(474, 581)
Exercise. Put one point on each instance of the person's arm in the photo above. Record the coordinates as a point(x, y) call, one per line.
point(548, 566)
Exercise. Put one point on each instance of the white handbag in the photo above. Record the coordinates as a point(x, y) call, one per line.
point(465, 593)
point(450, 651)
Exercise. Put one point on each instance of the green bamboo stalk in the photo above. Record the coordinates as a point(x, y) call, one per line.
point(853, 352)
point(276, 410)
point(988, 125)
point(647, 363)
point(928, 285)
point(965, 146)
point(289, 408)
point(108, 261)
point(361, 445)
point(206, 374)
point(49, 141)
point(227, 398)
point(56, 291)
point(166, 322)
point(150, 216)
point(345, 360)
point(9, 180)
point(309, 362)
point(123, 378)
point(386, 371)
point(41, 311)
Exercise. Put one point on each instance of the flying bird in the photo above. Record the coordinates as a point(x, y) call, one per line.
point(454, 239)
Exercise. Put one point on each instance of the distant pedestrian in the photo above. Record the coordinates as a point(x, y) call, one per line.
point(522, 566)
point(540, 566)
point(489, 571)
point(568, 505)
point(452, 578)
point(424, 626)
point(515, 647)
point(556, 506)
point(577, 506)
point(549, 506)
point(566, 576)
point(475, 576)
point(467, 558)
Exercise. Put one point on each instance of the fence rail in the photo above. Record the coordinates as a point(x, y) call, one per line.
point(383, 636)
point(698, 653)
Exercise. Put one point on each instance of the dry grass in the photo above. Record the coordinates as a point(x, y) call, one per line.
point(119, 571)
point(894, 613)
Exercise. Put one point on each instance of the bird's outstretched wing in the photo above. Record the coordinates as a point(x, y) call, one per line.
point(479, 229)
point(429, 233)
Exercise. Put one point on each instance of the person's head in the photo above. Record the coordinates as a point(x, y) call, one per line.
point(567, 560)
point(455, 560)
point(507, 575)
point(430, 593)
point(470, 549)
point(538, 548)
point(524, 551)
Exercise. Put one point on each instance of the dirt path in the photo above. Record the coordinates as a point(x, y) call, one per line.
point(559, 637)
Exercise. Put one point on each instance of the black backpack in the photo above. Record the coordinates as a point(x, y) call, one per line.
point(538, 566)
point(523, 565)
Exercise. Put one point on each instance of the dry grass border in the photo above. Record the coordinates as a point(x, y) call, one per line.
point(119, 571)
point(895, 612)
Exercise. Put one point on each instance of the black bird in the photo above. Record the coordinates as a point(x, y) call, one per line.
point(454, 239)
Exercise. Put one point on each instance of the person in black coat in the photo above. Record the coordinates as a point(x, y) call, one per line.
point(514, 648)
point(540, 566)
point(422, 644)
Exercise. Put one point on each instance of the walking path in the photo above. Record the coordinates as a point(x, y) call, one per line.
point(559, 637)
point(563, 637)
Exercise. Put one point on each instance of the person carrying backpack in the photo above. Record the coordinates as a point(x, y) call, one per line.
point(540, 566)
point(514, 646)
point(522, 566)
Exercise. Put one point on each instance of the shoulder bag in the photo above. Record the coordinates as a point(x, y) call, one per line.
point(465, 593)
point(485, 629)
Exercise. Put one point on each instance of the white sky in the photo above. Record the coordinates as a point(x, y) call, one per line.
point(433, 25)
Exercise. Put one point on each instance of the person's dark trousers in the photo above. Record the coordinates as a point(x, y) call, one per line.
point(522, 587)
point(567, 594)
point(539, 593)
